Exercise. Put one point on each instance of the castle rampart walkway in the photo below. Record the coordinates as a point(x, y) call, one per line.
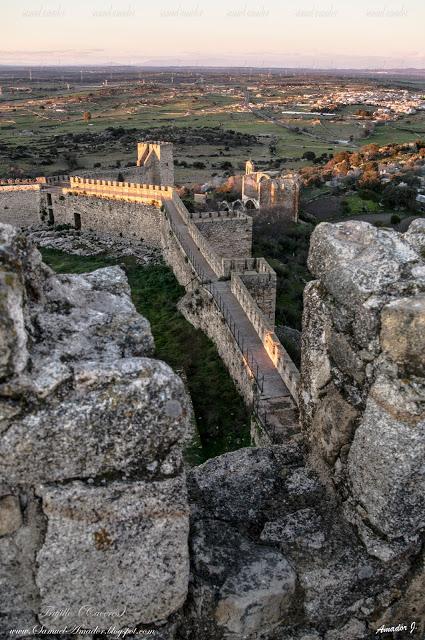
point(271, 385)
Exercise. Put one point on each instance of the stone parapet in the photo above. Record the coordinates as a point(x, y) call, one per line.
point(19, 187)
point(265, 330)
point(132, 192)
point(363, 376)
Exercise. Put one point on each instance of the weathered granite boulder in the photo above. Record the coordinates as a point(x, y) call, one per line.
point(20, 538)
point(355, 260)
point(362, 391)
point(363, 385)
point(93, 506)
point(10, 515)
point(415, 235)
point(219, 483)
point(125, 417)
point(402, 334)
point(261, 594)
point(386, 469)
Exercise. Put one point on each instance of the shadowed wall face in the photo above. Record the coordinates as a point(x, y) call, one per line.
point(132, 220)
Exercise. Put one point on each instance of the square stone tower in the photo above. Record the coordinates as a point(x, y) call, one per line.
point(157, 160)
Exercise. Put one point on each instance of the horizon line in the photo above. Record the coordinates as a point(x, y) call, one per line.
point(213, 66)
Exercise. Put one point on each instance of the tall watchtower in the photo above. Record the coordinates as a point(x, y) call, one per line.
point(157, 160)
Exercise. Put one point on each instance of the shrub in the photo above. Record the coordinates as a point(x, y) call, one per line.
point(345, 206)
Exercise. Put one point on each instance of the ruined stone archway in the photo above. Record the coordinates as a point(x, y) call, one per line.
point(238, 205)
point(250, 205)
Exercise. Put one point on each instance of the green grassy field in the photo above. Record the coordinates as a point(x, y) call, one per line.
point(222, 420)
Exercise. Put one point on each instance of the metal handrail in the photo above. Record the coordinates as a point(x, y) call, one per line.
point(246, 352)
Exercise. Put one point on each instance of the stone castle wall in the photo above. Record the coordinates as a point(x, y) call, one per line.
point(132, 220)
point(135, 212)
point(200, 309)
point(259, 320)
point(22, 181)
point(223, 214)
point(20, 205)
point(230, 237)
point(265, 330)
point(262, 288)
point(131, 192)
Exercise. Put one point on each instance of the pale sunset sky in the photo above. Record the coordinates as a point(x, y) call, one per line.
point(274, 33)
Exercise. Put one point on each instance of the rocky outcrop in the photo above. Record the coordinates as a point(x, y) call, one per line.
point(93, 505)
point(363, 376)
point(273, 557)
point(88, 243)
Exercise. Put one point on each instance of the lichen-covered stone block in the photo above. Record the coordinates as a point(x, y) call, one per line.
point(386, 469)
point(129, 416)
point(120, 547)
point(258, 597)
point(403, 333)
point(10, 515)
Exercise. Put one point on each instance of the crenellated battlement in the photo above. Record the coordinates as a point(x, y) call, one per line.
point(114, 190)
point(77, 182)
point(264, 324)
point(253, 281)
point(214, 215)
point(20, 187)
